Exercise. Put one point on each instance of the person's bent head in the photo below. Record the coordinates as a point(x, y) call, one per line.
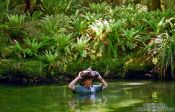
point(87, 79)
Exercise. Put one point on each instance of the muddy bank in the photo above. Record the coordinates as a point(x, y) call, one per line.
point(25, 79)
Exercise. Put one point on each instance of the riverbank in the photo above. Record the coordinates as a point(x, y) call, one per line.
point(35, 72)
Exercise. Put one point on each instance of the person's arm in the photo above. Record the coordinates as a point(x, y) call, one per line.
point(104, 84)
point(72, 84)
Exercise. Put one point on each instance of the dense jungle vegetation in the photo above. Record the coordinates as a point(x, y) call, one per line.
point(52, 40)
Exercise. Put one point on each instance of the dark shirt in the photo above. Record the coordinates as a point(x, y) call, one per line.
point(87, 90)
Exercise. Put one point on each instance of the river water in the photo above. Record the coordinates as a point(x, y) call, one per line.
point(120, 96)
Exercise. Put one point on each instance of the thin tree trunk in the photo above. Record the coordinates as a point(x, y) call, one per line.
point(27, 5)
point(155, 4)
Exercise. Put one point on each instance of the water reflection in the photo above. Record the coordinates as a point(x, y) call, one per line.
point(154, 107)
point(143, 96)
point(90, 103)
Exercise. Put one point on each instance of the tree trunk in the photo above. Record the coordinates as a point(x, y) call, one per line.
point(27, 5)
point(155, 4)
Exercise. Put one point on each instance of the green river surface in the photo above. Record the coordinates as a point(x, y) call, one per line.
point(120, 96)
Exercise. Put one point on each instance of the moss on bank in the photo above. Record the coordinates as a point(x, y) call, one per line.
point(37, 72)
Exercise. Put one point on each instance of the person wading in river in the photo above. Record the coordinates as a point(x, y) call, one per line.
point(87, 86)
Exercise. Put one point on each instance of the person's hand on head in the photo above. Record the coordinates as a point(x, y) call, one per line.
point(80, 75)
